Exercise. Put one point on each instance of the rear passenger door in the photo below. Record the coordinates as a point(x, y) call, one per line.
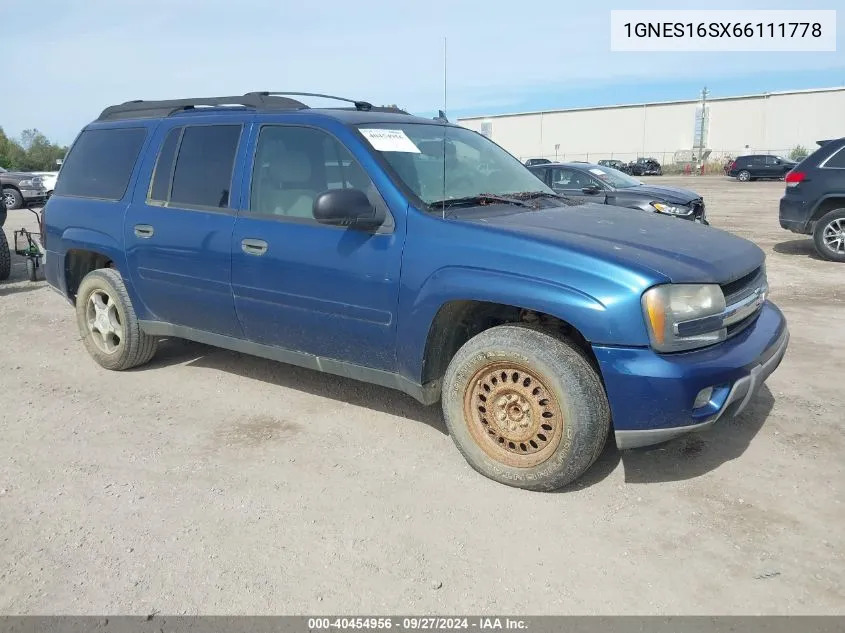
point(327, 291)
point(179, 226)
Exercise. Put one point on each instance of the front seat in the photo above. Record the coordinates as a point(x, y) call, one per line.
point(295, 194)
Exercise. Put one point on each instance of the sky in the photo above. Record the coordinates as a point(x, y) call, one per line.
point(501, 56)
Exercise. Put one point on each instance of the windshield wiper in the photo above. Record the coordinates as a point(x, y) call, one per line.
point(480, 199)
point(535, 195)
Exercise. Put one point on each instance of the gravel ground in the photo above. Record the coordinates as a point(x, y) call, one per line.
point(215, 483)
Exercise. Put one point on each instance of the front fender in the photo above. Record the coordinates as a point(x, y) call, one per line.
point(601, 319)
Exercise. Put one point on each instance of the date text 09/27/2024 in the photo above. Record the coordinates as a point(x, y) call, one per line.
point(418, 623)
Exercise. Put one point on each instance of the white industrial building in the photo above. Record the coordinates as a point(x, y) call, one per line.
point(774, 122)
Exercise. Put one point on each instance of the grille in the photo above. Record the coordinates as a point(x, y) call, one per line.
point(740, 289)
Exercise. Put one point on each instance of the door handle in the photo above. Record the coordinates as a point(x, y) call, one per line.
point(144, 231)
point(253, 247)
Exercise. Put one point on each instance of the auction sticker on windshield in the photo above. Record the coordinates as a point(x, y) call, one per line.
point(598, 172)
point(390, 140)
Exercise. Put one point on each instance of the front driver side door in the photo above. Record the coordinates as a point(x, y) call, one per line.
point(326, 291)
point(578, 185)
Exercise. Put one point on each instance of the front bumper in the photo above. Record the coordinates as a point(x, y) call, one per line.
point(34, 195)
point(651, 395)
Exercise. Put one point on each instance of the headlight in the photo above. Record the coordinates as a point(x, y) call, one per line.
point(27, 183)
point(664, 307)
point(670, 209)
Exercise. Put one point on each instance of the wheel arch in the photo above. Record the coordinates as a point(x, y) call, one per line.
point(457, 303)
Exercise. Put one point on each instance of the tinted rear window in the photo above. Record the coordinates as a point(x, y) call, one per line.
point(203, 174)
point(837, 160)
point(100, 163)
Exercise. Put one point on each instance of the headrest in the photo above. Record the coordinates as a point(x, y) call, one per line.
point(294, 167)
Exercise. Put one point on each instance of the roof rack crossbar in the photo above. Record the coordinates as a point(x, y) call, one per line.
point(359, 105)
point(138, 108)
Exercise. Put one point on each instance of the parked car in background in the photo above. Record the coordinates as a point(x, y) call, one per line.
point(814, 201)
point(615, 164)
point(537, 161)
point(645, 167)
point(21, 187)
point(604, 185)
point(48, 180)
point(760, 167)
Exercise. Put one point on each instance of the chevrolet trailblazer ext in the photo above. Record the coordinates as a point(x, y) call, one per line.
point(327, 238)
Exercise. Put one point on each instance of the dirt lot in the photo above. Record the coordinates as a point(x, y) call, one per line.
point(210, 482)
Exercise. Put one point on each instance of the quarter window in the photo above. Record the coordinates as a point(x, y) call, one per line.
point(100, 163)
point(837, 160)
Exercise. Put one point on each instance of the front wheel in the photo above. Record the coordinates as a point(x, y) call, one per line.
point(525, 408)
point(12, 199)
point(108, 324)
point(829, 236)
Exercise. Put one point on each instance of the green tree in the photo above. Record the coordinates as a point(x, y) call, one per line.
point(33, 152)
point(799, 152)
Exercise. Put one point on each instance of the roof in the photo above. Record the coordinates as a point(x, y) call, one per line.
point(761, 95)
point(259, 102)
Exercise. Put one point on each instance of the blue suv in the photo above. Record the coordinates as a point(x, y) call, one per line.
point(414, 254)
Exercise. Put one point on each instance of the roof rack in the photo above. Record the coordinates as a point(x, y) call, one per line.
point(255, 100)
point(364, 106)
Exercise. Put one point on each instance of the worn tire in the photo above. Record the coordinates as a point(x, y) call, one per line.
point(570, 379)
point(136, 347)
point(15, 199)
point(31, 271)
point(744, 176)
point(818, 234)
point(5, 257)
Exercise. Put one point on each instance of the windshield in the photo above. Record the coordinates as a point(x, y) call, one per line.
point(473, 164)
point(614, 177)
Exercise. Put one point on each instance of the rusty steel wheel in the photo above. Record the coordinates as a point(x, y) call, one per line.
point(525, 407)
point(512, 415)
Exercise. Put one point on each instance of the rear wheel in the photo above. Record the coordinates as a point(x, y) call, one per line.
point(108, 324)
point(743, 176)
point(525, 408)
point(5, 257)
point(829, 236)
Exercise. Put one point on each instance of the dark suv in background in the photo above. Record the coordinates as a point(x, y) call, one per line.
point(760, 166)
point(814, 202)
point(645, 167)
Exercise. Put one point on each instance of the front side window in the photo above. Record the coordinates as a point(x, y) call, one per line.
point(420, 154)
point(100, 163)
point(294, 165)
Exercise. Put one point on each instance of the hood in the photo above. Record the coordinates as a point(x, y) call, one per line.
point(19, 175)
point(675, 195)
point(680, 251)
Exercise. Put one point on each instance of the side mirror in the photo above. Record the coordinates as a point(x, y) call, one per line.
point(347, 207)
point(591, 190)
